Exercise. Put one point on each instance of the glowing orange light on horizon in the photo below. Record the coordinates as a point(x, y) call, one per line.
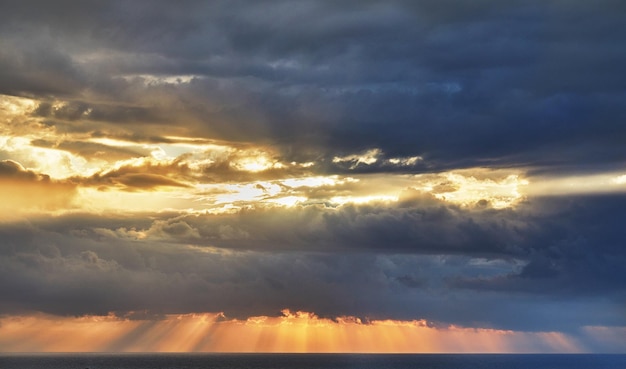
point(292, 332)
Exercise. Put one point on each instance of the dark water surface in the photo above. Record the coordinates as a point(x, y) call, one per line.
point(309, 361)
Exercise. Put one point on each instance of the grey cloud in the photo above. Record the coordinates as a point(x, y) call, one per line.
point(410, 281)
point(112, 114)
point(334, 262)
point(506, 84)
point(173, 228)
point(568, 248)
point(12, 170)
point(170, 279)
point(427, 226)
point(92, 150)
point(145, 177)
point(147, 180)
point(573, 250)
point(36, 67)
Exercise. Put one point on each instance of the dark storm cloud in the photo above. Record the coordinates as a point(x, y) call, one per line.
point(515, 83)
point(579, 249)
point(39, 70)
point(570, 247)
point(553, 266)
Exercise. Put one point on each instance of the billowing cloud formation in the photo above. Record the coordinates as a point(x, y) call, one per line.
point(370, 261)
point(456, 163)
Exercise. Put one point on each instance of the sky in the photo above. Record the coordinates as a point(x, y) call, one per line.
point(313, 176)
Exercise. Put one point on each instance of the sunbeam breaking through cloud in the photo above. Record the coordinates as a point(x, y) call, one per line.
point(393, 176)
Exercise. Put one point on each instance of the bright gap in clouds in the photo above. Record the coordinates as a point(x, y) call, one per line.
point(290, 184)
point(400, 160)
point(597, 183)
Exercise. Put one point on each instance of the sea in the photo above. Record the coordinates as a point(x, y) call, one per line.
point(312, 361)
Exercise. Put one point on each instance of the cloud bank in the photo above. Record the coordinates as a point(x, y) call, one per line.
point(456, 163)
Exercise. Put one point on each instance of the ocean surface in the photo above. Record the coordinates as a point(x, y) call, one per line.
point(310, 361)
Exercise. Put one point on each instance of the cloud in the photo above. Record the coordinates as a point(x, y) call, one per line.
point(395, 159)
point(36, 69)
point(458, 86)
point(11, 170)
point(579, 254)
point(93, 150)
point(373, 262)
point(134, 181)
point(26, 190)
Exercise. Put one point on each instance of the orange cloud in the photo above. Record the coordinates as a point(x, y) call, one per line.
point(25, 190)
